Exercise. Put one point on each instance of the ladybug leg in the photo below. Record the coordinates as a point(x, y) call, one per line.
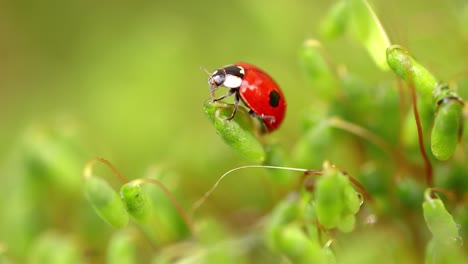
point(231, 92)
point(213, 88)
point(271, 119)
point(236, 106)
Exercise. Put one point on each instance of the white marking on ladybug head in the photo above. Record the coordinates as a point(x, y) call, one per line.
point(232, 81)
point(241, 70)
point(217, 79)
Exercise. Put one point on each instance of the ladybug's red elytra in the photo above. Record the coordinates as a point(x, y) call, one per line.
point(259, 92)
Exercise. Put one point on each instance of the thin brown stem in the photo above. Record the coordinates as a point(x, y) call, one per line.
point(361, 188)
point(422, 148)
point(88, 169)
point(187, 218)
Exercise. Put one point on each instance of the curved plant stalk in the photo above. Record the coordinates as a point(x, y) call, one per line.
point(422, 148)
point(88, 169)
point(200, 201)
point(306, 172)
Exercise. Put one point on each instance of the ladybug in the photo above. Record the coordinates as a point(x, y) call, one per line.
point(259, 92)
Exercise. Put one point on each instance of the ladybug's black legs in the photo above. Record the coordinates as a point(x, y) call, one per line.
point(231, 92)
point(236, 105)
point(236, 100)
point(213, 88)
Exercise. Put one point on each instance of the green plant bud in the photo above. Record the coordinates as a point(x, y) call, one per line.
point(439, 221)
point(329, 198)
point(448, 125)
point(347, 223)
point(441, 253)
point(336, 21)
point(298, 247)
point(285, 212)
point(318, 70)
point(237, 133)
point(352, 199)
point(52, 248)
point(369, 31)
point(121, 249)
point(401, 62)
point(106, 202)
point(137, 201)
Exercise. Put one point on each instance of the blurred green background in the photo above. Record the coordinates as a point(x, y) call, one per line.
point(129, 72)
point(126, 76)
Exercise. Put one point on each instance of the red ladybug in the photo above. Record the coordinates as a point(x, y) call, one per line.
point(257, 89)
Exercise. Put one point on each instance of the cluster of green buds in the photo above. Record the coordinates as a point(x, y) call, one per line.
point(159, 222)
point(298, 224)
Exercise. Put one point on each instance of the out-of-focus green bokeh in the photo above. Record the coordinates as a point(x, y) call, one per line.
point(129, 71)
point(127, 74)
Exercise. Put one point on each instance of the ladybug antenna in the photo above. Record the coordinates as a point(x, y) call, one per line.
point(205, 70)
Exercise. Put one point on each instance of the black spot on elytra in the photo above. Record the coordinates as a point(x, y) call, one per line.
point(274, 98)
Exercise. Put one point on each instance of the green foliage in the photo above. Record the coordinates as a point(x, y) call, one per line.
point(336, 21)
point(368, 30)
point(341, 181)
point(55, 249)
point(121, 249)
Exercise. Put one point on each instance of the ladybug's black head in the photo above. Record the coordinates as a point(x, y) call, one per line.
point(217, 78)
